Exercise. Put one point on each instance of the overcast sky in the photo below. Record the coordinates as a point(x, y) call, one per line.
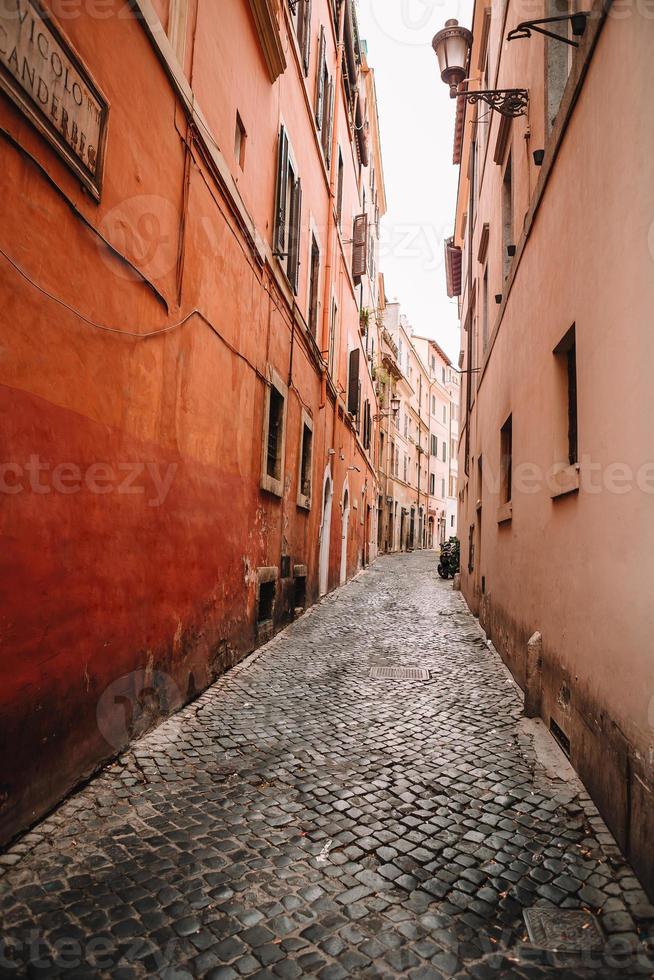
point(417, 131)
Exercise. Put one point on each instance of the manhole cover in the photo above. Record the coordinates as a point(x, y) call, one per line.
point(400, 673)
point(564, 930)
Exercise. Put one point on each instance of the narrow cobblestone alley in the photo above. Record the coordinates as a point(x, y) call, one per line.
point(302, 818)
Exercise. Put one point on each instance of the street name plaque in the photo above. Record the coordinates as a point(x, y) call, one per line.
point(43, 76)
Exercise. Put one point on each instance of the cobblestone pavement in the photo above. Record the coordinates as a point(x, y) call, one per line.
point(301, 818)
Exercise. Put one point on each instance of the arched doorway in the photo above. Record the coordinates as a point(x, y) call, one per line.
point(431, 532)
point(346, 523)
point(325, 532)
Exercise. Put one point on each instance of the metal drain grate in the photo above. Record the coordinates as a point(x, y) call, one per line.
point(400, 673)
point(563, 930)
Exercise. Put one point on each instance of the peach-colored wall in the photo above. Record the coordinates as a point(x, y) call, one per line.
point(578, 568)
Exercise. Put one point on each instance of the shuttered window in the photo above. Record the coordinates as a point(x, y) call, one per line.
point(367, 425)
point(324, 100)
point(304, 32)
point(288, 212)
point(360, 247)
point(320, 83)
point(354, 384)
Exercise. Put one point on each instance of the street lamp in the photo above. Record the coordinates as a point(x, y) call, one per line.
point(452, 46)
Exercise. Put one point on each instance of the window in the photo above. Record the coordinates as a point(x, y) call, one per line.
point(484, 309)
point(434, 446)
point(303, 30)
point(442, 489)
point(406, 425)
point(452, 521)
point(314, 278)
point(266, 603)
point(274, 434)
point(445, 414)
point(506, 460)
point(367, 425)
point(432, 484)
point(239, 142)
point(381, 449)
point(433, 404)
point(443, 375)
point(354, 384)
point(360, 247)
point(452, 448)
point(288, 209)
point(444, 452)
point(306, 459)
point(406, 461)
point(332, 336)
point(339, 190)
point(324, 99)
point(566, 353)
point(452, 487)
point(507, 217)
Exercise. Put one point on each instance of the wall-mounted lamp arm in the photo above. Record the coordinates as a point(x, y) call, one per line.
point(577, 20)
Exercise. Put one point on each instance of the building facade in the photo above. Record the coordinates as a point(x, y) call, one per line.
point(415, 439)
point(442, 405)
point(555, 450)
point(190, 413)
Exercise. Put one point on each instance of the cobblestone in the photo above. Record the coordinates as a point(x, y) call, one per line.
point(301, 818)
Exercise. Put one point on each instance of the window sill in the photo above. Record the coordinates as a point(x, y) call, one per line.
point(566, 480)
point(505, 513)
point(303, 502)
point(273, 486)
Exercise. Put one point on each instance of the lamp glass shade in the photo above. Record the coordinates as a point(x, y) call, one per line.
point(452, 45)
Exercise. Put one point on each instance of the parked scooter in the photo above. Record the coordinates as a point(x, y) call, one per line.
point(450, 558)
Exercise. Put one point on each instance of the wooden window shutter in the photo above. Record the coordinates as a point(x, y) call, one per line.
point(360, 246)
point(279, 234)
point(320, 89)
point(306, 38)
point(353, 383)
point(294, 236)
point(329, 128)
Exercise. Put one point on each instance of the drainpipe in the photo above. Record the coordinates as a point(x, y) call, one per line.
point(326, 306)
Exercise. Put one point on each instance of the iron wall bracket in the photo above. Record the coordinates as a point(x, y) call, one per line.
point(507, 101)
point(577, 21)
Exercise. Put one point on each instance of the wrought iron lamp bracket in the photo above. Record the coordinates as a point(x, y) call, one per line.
point(577, 20)
point(507, 101)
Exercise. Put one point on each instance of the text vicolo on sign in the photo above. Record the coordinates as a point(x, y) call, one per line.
point(42, 75)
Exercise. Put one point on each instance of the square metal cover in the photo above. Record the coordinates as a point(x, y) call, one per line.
point(400, 673)
point(563, 930)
